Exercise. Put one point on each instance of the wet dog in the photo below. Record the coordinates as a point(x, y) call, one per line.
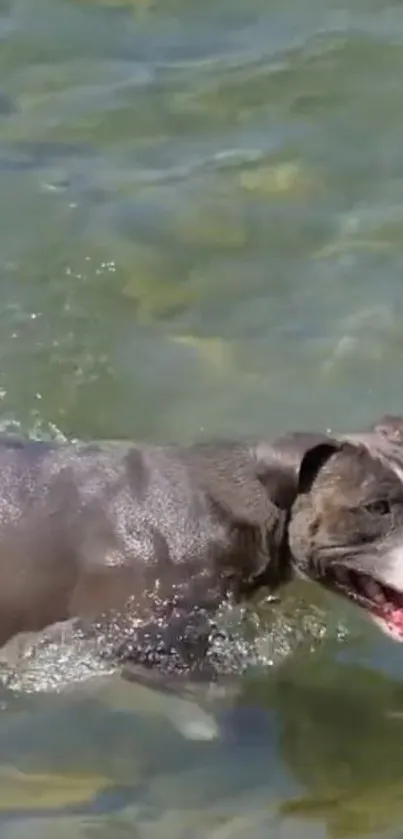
point(143, 543)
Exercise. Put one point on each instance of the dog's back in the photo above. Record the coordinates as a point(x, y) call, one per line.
point(90, 529)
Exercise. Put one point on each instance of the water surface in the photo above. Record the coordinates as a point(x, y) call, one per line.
point(201, 233)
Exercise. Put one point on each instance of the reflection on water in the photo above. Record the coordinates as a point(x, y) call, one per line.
point(285, 745)
point(201, 233)
point(341, 737)
point(318, 741)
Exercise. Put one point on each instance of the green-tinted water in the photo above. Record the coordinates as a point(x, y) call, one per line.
point(201, 231)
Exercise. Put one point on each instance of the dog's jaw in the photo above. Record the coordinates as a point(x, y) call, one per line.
point(388, 628)
point(390, 619)
point(380, 598)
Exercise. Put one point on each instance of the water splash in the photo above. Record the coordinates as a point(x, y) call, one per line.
point(63, 655)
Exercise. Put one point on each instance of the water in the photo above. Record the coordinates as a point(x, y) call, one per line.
point(201, 233)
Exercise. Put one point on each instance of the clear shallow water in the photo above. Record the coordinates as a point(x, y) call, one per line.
point(201, 231)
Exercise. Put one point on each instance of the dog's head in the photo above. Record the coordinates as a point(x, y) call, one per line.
point(345, 526)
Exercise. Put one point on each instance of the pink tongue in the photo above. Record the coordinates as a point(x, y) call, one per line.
point(394, 616)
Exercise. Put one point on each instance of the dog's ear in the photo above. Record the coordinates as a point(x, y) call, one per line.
point(389, 426)
point(289, 466)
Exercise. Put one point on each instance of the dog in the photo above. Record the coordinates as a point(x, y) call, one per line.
point(143, 543)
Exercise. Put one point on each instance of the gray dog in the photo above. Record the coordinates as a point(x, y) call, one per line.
point(144, 543)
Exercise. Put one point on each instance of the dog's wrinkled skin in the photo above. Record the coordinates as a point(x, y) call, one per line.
point(147, 542)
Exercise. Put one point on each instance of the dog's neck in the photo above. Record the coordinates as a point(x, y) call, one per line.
point(229, 475)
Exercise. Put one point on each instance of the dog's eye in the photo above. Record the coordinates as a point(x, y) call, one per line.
point(381, 507)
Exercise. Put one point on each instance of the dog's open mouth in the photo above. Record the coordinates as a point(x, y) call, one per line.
point(384, 603)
